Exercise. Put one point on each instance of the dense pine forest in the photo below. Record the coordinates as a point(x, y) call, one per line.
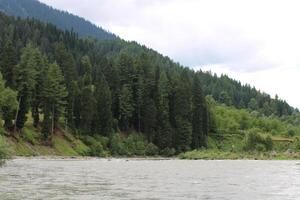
point(120, 96)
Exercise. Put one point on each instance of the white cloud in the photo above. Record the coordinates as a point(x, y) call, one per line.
point(256, 41)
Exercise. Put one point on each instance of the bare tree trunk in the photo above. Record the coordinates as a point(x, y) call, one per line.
point(52, 125)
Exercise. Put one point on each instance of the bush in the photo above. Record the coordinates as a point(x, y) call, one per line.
point(95, 145)
point(268, 142)
point(135, 145)
point(296, 144)
point(256, 141)
point(151, 150)
point(117, 146)
point(291, 132)
point(3, 150)
point(96, 149)
point(168, 152)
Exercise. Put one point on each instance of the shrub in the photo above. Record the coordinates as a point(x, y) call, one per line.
point(151, 150)
point(296, 144)
point(268, 142)
point(168, 152)
point(135, 145)
point(117, 146)
point(95, 145)
point(96, 149)
point(3, 150)
point(291, 132)
point(256, 141)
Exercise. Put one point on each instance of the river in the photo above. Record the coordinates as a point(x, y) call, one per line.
point(84, 179)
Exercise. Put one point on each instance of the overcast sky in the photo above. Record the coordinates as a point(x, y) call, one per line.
point(254, 41)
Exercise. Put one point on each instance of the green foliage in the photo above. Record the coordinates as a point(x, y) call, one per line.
point(54, 95)
point(8, 104)
point(117, 146)
point(296, 144)
point(103, 107)
point(200, 116)
point(230, 120)
point(257, 141)
point(134, 144)
point(30, 136)
point(8, 64)
point(168, 152)
point(26, 81)
point(3, 150)
point(63, 147)
point(81, 148)
point(126, 107)
point(151, 150)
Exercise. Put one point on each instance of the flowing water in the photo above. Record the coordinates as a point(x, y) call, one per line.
point(48, 179)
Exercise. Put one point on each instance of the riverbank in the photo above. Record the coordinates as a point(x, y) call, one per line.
point(254, 155)
point(68, 146)
point(191, 155)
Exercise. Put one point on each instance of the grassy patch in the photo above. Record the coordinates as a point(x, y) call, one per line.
point(81, 148)
point(255, 155)
point(30, 136)
point(63, 147)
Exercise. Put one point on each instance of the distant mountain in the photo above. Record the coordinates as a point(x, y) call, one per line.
point(62, 19)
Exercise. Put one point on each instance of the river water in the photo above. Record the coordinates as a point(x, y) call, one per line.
point(48, 179)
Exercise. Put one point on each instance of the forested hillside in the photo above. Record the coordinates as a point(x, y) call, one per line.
point(62, 19)
point(128, 96)
point(231, 92)
point(223, 89)
point(97, 88)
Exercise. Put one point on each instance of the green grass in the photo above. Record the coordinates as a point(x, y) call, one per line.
point(255, 155)
point(81, 148)
point(63, 147)
point(30, 136)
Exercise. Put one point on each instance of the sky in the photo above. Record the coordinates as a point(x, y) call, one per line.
point(254, 41)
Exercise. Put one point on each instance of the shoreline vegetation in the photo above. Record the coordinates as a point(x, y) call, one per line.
point(66, 146)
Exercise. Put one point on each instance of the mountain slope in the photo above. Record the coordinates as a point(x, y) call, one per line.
point(63, 20)
point(223, 89)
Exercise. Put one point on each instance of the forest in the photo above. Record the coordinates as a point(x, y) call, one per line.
point(113, 97)
point(62, 19)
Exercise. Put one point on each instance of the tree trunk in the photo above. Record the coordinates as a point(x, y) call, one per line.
point(52, 124)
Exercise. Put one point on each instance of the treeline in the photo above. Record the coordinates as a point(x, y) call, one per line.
point(232, 93)
point(63, 20)
point(93, 89)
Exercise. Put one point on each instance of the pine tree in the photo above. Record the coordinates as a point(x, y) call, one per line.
point(26, 82)
point(126, 107)
point(103, 106)
point(87, 99)
point(8, 64)
point(182, 113)
point(41, 67)
point(54, 96)
point(164, 130)
point(199, 114)
point(68, 66)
